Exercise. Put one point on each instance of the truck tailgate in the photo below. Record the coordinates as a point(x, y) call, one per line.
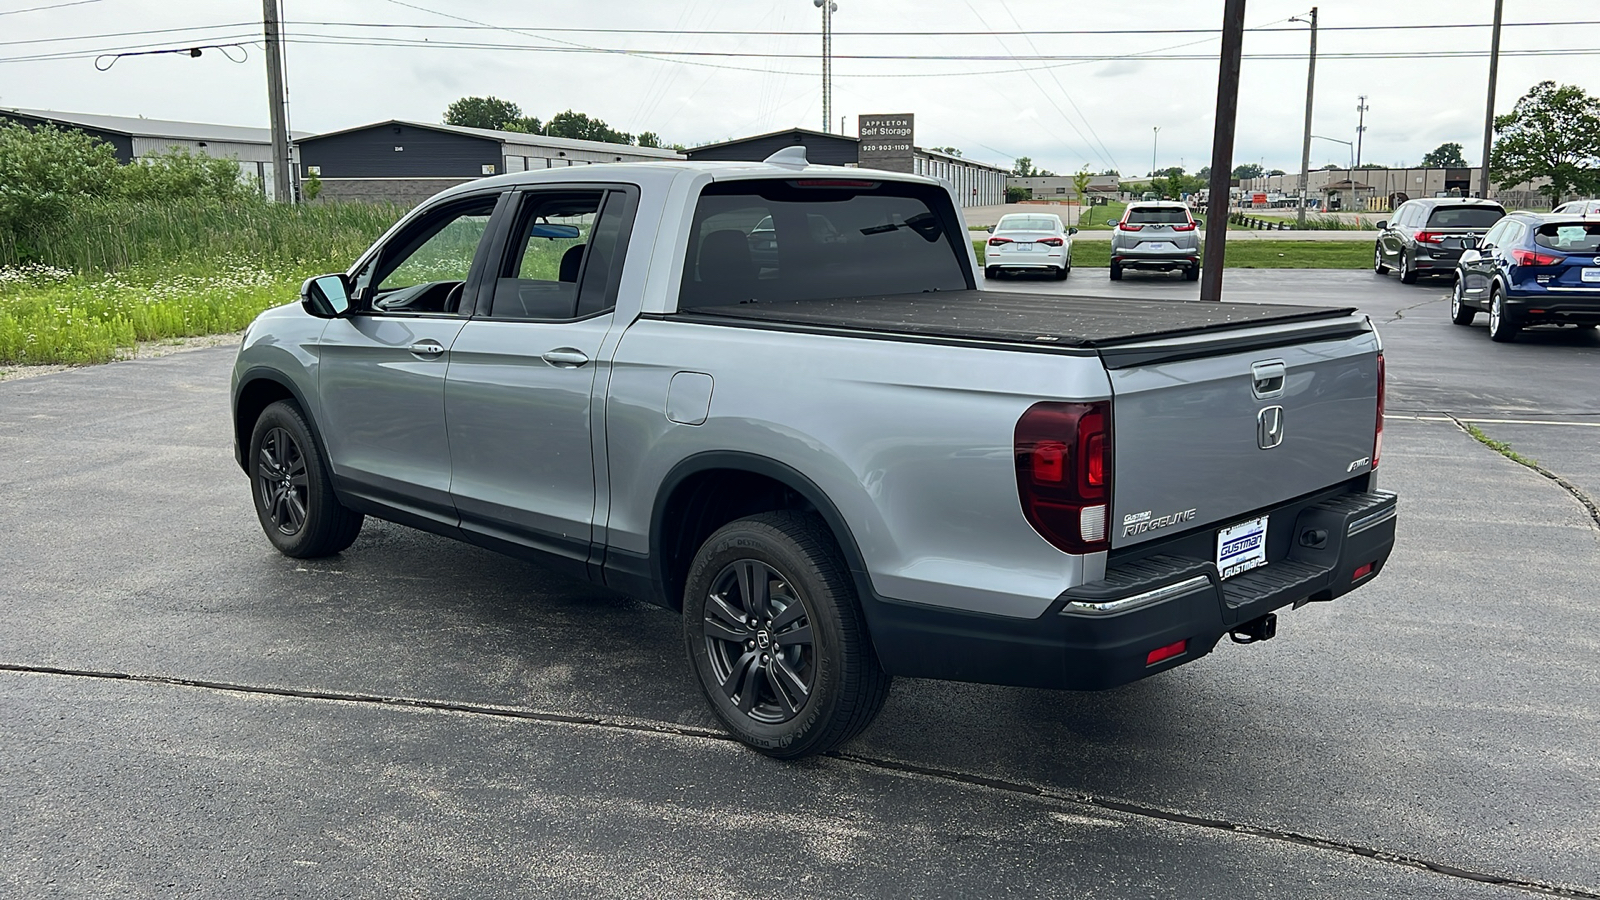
point(1208, 440)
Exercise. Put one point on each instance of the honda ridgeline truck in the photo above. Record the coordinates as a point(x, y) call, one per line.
point(779, 399)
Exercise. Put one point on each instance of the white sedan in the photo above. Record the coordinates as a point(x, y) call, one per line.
point(1029, 242)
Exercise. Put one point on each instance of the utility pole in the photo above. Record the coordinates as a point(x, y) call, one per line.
point(1361, 125)
point(282, 176)
point(1488, 113)
point(828, 8)
point(1305, 148)
point(1222, 149)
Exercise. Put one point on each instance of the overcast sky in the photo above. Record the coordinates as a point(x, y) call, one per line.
point(1096, 113)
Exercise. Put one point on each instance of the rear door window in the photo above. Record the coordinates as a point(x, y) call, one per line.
point(1569, 237)
point(1465, 217)
point(804, 239)
point(1158, 215)
point(564, 256)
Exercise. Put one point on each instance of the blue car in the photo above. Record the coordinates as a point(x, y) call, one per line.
point(1529, 270)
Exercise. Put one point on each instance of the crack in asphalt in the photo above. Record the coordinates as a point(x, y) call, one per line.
point(952, 776)
point(1579, 494)
point(1401, 312)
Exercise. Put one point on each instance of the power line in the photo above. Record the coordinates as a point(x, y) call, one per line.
point(969, 33)
point(13, 12)
point(115, 34)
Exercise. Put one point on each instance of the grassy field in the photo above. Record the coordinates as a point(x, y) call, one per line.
point(1247, 254)
point(117, 273)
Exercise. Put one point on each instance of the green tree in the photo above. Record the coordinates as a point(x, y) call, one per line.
point(44, 170)
point(525, 125)
point(1015, 194)
point(950, 150)
point(178, 174)
point(1553, 132)
point(1247, 170)
point(1445, 156)
point(1080, 183)
point(482, 112)
point(1277, 172)
point(576, 125)
point(1024, 168)
point(649, 139)
point(311, 187)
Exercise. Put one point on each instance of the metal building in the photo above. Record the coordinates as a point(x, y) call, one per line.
point(408, 162)
point(133, 138)
point(975, 183)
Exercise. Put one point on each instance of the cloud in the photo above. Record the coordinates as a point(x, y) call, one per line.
point(1120, 67)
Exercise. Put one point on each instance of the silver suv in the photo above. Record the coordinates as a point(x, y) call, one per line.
point(1155, 234)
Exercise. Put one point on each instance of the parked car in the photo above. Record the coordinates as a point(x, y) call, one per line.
point(1155, 234)
point(1578, 208)
point(1531, 270)
point(1029, 242)
point(851, 465)
point(1426, 236)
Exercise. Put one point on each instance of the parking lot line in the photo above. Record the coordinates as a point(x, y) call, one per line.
point(1490, 421)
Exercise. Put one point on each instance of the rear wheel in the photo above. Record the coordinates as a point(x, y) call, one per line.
point(1460, 312)
point(1377, 260)
point(775, 633)
point(1502, 327)
point(1408, 275)
point(1191, 274)
point(293, 490)
point(1064, 271)
point(1116, 272)
point(991, 272)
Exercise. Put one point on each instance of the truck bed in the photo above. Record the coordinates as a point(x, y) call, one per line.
point(1009, 317)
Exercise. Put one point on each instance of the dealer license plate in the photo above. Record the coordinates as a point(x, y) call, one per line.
point(1242, 547)
point(1157, 245)
point(1591, 276)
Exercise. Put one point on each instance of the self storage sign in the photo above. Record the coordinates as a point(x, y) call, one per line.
point(887, 141)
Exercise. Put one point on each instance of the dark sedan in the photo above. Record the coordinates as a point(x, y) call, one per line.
point(1426, 236)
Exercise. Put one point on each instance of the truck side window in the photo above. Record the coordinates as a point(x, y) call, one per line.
point(564, 259)
point(423, 269)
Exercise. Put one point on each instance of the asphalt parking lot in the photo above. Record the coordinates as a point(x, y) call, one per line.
point(183, 712)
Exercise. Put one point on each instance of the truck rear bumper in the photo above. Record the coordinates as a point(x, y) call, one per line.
point(1144, 617)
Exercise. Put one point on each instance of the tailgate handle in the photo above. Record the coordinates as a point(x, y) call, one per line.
point(1267, 378)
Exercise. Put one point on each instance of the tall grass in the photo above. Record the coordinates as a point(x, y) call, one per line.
point(108, 274)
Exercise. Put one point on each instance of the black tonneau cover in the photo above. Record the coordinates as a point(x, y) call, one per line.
point(1019, 318)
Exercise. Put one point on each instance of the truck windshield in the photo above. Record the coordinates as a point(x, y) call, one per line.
point(820, 239)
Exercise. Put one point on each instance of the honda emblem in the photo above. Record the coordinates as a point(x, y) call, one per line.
point(1269, 427)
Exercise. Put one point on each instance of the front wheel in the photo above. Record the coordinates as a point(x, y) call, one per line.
point(776, 635)
point(1502, 328)
point(1460, 312)
point(292, 487)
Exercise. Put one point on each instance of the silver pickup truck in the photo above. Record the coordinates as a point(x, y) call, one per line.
point(778, 398)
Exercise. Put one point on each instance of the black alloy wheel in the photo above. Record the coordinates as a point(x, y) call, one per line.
point(776, 636)
point(759, 641)
point(292, 488)
point(281, 482)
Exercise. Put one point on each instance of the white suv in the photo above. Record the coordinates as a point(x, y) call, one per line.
point(1155, 234)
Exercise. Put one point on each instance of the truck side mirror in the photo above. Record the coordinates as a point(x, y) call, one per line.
point(326, 296)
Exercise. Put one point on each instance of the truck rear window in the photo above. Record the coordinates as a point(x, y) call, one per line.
point(1465, 216)
point(790, 240)
point(1569, 237)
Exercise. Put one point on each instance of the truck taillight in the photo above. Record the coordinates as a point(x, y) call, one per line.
point(1377, 439)
point(1063, 457)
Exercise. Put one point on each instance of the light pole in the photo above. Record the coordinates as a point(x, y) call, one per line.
point(1361, 126)
point(1305, 147)
point(1346, 143)
point(1155, 133)
point(828, 8)
point(1488, 114)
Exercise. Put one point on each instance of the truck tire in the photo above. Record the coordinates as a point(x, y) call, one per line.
point(1460, 312)
point(1377, 260)
point(292, 488)
point(775, 633)
point(1116, 272)
point(1503, 327)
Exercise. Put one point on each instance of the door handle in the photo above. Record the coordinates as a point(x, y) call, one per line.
point(565, 357)
point(429, 348)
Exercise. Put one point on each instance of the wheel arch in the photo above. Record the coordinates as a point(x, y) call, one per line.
point(259, 388)
point(688, 509)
